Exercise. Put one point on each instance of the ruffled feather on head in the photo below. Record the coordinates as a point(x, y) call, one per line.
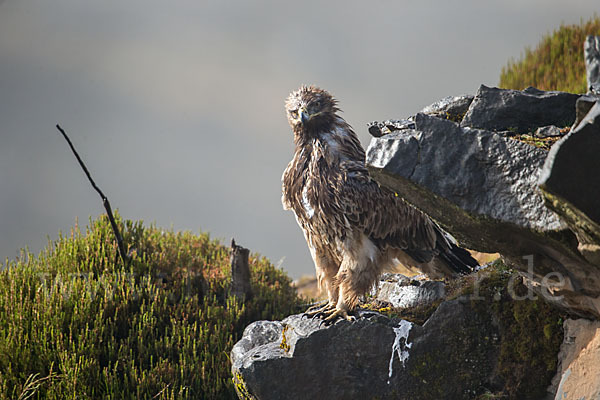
point(307, 94)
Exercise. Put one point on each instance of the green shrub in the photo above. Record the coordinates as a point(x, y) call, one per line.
point(557, 62)
point(76, 324)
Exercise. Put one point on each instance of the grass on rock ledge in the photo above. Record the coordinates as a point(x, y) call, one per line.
point(76, 324)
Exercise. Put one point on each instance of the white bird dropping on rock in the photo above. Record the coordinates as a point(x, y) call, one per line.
point(402, 332)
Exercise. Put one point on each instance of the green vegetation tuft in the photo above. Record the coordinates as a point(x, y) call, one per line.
point(557, 62)
point(542, 143)
point(76, 324)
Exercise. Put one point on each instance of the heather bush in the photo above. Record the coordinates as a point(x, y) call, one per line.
point(75, 323)
point(556, 63)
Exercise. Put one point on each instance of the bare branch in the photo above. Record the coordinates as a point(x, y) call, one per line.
point(105, 201)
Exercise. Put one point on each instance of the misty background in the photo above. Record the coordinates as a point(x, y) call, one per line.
point(177, 107)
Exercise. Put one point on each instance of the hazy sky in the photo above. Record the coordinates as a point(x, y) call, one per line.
point(177, 107)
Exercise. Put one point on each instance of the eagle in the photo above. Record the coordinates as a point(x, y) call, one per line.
point(354, 228)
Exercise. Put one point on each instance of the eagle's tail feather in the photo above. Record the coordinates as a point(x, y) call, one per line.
point(459, 259)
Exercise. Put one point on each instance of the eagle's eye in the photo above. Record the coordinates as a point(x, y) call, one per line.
point(294, 113)
point(317, 105)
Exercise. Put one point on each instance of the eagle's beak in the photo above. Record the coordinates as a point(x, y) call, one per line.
point(304, 115)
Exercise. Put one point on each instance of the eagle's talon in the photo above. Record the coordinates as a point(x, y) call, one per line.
point(339, 313)
point(317, 306)
point(320, 315)
point(313, 312)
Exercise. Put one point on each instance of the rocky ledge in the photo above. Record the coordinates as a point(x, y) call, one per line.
point(502, 189)
point(476, 341)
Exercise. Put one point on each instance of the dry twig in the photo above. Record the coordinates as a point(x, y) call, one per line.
point(105, 201)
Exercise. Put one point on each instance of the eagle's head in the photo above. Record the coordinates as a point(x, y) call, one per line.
point(310, 110)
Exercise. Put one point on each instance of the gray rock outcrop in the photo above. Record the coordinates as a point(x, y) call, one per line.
point(571, 186)
point(484, 173)
point(453, 108)
point(378, 129)
point(402, 292)
point(374, 357)
point(489, 196)
point(591, 53)
point(583, 106)
point(548, 131)
point(519, 111)
point(492, 342)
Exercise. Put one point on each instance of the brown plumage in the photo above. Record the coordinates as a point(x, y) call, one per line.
point(354, 228)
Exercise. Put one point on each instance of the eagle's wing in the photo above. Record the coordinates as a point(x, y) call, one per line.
point(387, 219)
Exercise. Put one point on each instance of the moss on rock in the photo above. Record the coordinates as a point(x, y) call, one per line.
point(530, 332)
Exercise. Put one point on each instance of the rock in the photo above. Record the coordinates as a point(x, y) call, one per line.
point(580, 377)
point(577, 335)
point(306, 356)
point(489, 200)
point(520, 111)
point(453, 108)
point(484, 173)
point(491, 343)
point(375, 128)
point(591, 53)
point(450, 357)
point(583, 106)
point(548, 131)
point(255, 335)
point(402, 292)
point(570, 185)
point(378, 129)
